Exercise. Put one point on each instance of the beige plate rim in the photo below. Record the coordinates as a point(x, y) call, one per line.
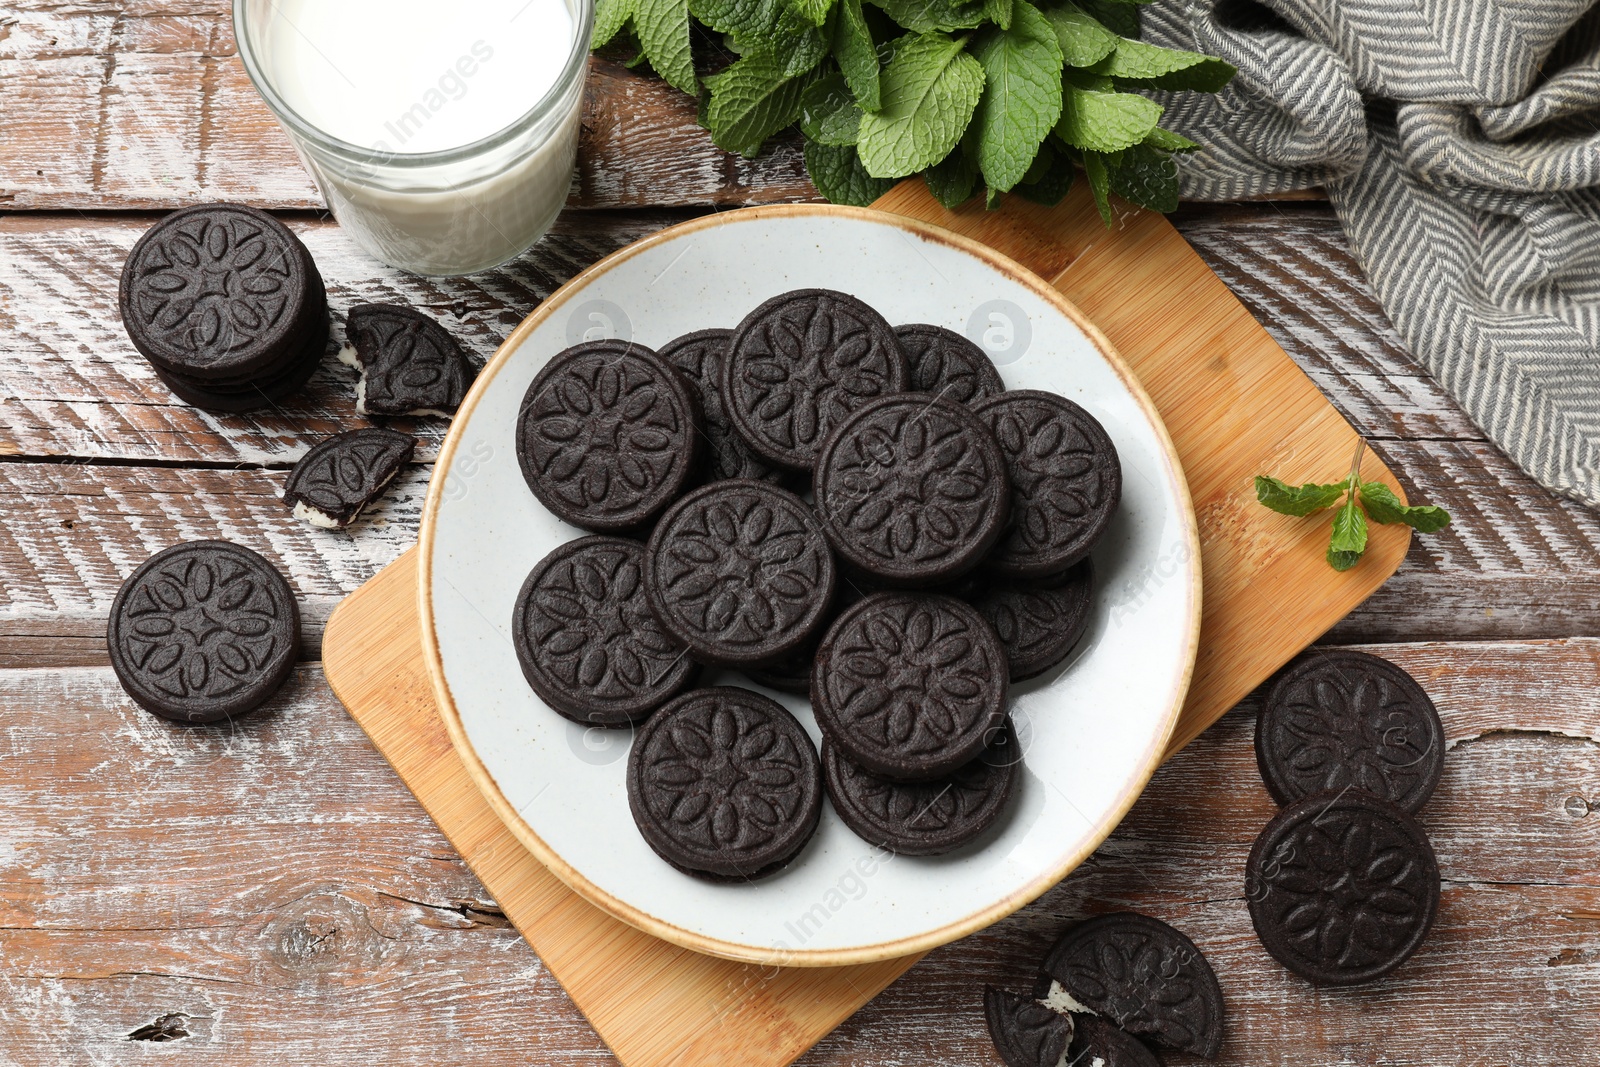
point(689, 939)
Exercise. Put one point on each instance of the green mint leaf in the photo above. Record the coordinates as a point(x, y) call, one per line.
point(1084, 42)
point(1141, 65)
point(663, 29)
point(814, 12)
point(930, 90)
point(837, 173)
point(934, 16)
point(1147, 177)
point(752, 100)
point(1049, 184)
point(1021, 95)
point(749, 21)
point(953, 180)
point(1288, 499)
point(858, 58)
point(1094, 168)
point(799, 44)
point(1168, 141)
point(609, 18)
point(1105, 122)
point(999, 12)
point(1120, 18)
point(1384, 507)
point(828, 113)
point(1349, 539)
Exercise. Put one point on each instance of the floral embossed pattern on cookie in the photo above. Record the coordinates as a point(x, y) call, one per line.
point(912, 489)
point(799, 364)
point(608, 435)
point(1144, 976)
point(203, 631)
point(921, 818)
point(1338, 719)
point(586, 639)
point(724, 784)
point(340, 475)
point(215, 291)
point(944, 363)
point(410, 365)
point(1342, 888)
point(1066, 481)
point(740, 571)
point(911, 686)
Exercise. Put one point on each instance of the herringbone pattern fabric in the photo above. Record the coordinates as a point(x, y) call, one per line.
point(1459, 141)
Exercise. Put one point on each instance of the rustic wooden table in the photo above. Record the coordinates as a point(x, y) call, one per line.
point(271, 892)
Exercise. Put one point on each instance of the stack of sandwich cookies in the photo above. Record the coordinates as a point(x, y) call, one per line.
point(1352, 747)
point(227, 305)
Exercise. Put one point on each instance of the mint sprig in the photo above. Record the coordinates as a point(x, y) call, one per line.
point(981, 97)
point(1361, 501)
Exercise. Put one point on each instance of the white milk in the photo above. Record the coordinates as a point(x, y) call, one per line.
point(394, 79)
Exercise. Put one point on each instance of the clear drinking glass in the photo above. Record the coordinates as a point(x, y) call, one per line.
point(448, 212)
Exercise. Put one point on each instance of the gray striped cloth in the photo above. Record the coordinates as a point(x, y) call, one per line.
point(1458, 141)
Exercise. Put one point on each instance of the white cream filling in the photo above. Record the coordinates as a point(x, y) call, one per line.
point(320, 519)
point(361, 389)
point(1060, 1000)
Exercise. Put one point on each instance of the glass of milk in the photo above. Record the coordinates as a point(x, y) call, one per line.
point(442, 133)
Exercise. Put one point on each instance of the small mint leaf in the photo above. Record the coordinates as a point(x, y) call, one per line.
point(837, 173)
point(953, 180)
point(828, 113)
point(663, 29)
point(1105, 122)
point(858, 58)
point(1297, 500)
point(814, 12)
point(1168, 141)
point(1118, 17)
point(1084, 42)
point(1349, 538)
point(1147, 177)
point(1137, 64)
point(1384, 507)
point(934, 16)
point(930, 90)
point(1049, 184)
point(609, 18)
point(752, 100)
point(1094, 168)
point(999, 12)
point(1021, 95)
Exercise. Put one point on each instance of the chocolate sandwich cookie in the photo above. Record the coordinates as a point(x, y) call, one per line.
point(203, 631)
point(1144, 976)
point(723, 784)
point(799, 364)
point(586, 639)
point(699, 357)
point(1066, 481)
point(912, 489)
point(1097, 1043)
point(911, 686)
point(740, 572)
point(1342, 888)
point(608, 435)
point(921, 818)
point(1025, 1033)
point(1337, 719)
point(409, 364)
point(340, 475)
point(946, 364)
point(1039, 627)
point(220, 292)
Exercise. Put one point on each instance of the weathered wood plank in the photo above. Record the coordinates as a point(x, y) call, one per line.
point(274, 887)
point(71, 383)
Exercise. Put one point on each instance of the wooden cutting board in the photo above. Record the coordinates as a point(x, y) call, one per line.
point(1235, 405)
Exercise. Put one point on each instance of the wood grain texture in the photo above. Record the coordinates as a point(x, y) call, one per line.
point(141, 106)
point(145, 878)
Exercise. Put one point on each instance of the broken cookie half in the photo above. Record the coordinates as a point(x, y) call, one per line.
point(344, 473)
point(409, 364)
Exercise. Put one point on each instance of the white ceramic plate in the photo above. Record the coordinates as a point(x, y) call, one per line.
point(1093, 730)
